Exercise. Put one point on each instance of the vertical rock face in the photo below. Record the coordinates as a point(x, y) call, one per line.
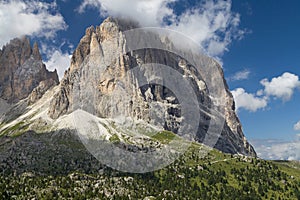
point(95, 82)
point(22, 70)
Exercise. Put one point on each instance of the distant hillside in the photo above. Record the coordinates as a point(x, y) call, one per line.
point(217, 176)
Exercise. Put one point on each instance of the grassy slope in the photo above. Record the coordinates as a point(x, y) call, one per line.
point(194, 176)
point(215, 176)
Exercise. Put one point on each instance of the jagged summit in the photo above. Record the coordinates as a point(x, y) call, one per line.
point(36, 52)
point(109, 29)
point(22, 70)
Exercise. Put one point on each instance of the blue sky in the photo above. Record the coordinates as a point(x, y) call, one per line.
point(269, 50)
point(256, 40)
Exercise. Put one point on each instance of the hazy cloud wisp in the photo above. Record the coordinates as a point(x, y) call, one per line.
point(277, 149)
point(297, 126)
point(240, 75)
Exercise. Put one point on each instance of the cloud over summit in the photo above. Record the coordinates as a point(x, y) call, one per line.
point(212, 24)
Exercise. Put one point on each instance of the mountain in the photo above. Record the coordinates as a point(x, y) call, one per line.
point(22, 71)
point(97, 59)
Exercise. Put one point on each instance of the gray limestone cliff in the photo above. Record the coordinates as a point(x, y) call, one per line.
point(95, 82)
point(22, 70)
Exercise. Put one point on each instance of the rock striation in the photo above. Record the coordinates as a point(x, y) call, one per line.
point(99, 65)
point(22, 70)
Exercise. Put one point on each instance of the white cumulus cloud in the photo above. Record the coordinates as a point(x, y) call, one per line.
point(59, 61)
point(248, 101)
point(281, 87)
point(29, 17)
point(211, 24)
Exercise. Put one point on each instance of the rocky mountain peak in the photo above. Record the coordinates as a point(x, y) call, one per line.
point(18, 50)
point(110, 28)
point(101, 59)
point(22, 70)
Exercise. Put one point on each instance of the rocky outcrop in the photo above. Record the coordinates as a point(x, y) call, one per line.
point(40, 90)
point(22, 70)
point(97, 82)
